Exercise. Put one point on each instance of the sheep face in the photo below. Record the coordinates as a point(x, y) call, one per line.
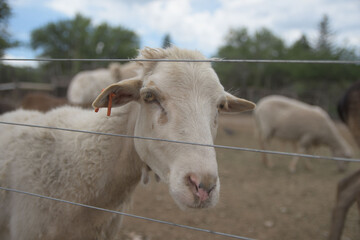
point(181, 102)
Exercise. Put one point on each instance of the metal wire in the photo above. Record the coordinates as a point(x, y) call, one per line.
point(188, 143)
point(212, 60)
point(125, 214)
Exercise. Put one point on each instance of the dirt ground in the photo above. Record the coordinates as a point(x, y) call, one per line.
point(255, 202)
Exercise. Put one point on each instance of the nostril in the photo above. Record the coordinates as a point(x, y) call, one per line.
point(193, 180)
point(201, 187)
point(209, 189)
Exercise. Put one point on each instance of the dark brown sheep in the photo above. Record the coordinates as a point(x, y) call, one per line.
point(6, 107)
point(349, 110)
point(42, 102)
point(348, 191)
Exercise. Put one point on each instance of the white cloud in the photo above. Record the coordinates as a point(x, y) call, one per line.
point(205, 29)
point(32, 64)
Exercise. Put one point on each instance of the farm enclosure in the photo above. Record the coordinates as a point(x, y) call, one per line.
point(255, 202)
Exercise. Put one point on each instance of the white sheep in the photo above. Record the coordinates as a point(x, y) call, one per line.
point(175, 101)
point(86, 85)
point(302, 124)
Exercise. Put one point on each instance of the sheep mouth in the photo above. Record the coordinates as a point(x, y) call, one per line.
point(200, 204)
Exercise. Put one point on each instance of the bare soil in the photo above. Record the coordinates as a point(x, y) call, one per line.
point(255, 202)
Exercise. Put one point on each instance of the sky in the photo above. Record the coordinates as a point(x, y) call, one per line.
point(193, 24)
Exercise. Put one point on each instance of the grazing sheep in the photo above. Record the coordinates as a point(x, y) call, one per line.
point(86, 85)
point(348, 191)
point(42, 102)
point(175, 101)
point(302, 124)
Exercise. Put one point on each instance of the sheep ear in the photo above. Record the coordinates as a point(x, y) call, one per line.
point(235, 104)
point(120, 93)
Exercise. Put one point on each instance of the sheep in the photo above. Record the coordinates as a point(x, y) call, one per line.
point(349, 110)
point(302, 124)
point(6, 107)
point(175, 101)
point(42, 102)
point(86, 85)
point(348, 190)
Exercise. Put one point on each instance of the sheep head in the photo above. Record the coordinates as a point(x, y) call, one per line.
point(178, 101)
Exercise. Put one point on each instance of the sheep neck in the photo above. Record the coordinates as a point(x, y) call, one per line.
point(335, 141)
point(123, 164)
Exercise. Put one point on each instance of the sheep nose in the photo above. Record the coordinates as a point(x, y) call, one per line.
point(202, 186)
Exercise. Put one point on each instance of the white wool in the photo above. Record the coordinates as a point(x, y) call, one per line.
point(102, 170)
point(69, 166)
point(87, 85)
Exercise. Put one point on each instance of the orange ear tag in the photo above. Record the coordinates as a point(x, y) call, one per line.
point(97, 109)
point(111, 95)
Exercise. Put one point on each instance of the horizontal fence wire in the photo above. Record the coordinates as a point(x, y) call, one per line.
point(212, 60)
point(124, 214)
point(187, 143)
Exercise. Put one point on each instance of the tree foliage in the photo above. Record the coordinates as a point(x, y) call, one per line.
point(241, 45)
point(324, 43)
point(303, 80)
point(167, 41)
point(78, 38)
point(264, 44)
point(5, 40)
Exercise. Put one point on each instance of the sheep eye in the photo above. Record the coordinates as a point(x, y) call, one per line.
point(221, 106)
point(149, 97)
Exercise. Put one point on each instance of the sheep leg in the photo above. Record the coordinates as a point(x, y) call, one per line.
point(266, 160)
point(358, 203)
point(307, 161)
point(348, 192)
point(263, 142)
point(353, 123)
point(303, 146)
point(357, 175)
point(294, 162)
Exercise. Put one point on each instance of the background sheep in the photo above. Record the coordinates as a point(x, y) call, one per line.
point(86, 85)
point(103, 171)
point(6, 107)
point(302, 124)
point(349, 110)
point(348, 190)
point(42, 102)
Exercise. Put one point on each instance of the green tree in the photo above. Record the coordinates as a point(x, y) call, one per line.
point(167, 41)
point(78, 38)
point(324, 44)
point(301, 49)
point(5, 40)
point(300, 74)
point(262, 45)
point(325, 48)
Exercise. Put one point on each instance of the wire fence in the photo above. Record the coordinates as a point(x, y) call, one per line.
point(212, 60)
point(189, 143)
point(124, 214)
